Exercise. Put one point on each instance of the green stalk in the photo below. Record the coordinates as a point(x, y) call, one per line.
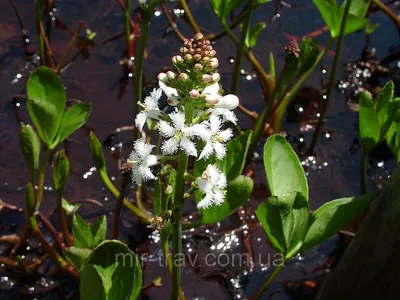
point(118, 207)
point(168, 260)
point(139, 60)
point(130, 206)
point(363, 173)
point(189, 16)
point(267, 79)
point(39, 15)
point(63, 220)
point(42, 173)
point(281, 109)
point(127, 16)
point(332, 77)
point(241, 48)
point(267, 283)
point(177, 212)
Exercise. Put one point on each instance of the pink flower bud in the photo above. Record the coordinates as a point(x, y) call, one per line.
point(215, 77)
point(211, 99)
point(206, 78)
point(213, 63)
point(183, 76)
point(197, 57)
point(198, 67)
point(213, 53)
point(198, 36)
point(162, 77)
point(194, 94)
point(171, 75)
point(188, 58)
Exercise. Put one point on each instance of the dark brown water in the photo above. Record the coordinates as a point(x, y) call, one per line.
point(332, 173)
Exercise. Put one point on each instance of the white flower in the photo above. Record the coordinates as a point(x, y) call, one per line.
point(142, 2)
point(227, 115)
point(212, 96)
point(218, 137)
point(171, 93)
point(179, 135)
point(213, 184)
point(141, 160)
point(150, 109)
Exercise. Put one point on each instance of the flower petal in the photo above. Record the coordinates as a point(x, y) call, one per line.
point(141, 120)
point(188, 146)
point(170, 146)
point(165, 129)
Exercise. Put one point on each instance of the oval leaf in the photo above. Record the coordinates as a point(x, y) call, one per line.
point(283, 168)
point(81, 232)
point(74, 118)
point(46, 103)
point(30, 146)
point(333, 216)
point(118, 270)
point(60, 170)
point(368, 122)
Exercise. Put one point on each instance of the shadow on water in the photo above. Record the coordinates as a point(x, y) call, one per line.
point(332, 171)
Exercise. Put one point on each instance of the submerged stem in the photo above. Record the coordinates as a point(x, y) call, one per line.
point(332, 77)
point(268, 282)
point(42, 173)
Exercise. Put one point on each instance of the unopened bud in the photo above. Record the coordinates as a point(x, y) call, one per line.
point(183, 50)
point(197, 57)
point(205, 60)
point(171, 75)
point(229, 102)
point(213, 53)
point(206, 78)
point(162, 77)
point(215, 77)
point(211, 99)
point(213, 63)
point(194, 94)
point(188, 58)
point(198, 36)
point(198, 67)
point(183, 76)
point(177, 59)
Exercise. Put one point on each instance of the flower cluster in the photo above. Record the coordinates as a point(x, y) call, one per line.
point(292, 50)
point(199, 114)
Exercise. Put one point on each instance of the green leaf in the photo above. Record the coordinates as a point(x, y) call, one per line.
point(238, 192)
point(77, 256)
point(284, 171)
point(330, 13)
point(99, 231)
point(30, 146)
point(97, 153)
point(73, 119)
point(81, 232)
point(69, 208)
point(393, 134)
point(111, 270)
point(285, 221)
point(46, 103)
point(60, 170)
point(223, 7)
point(331, 217)
point(386, 108)
point(263, 1)
point(233, 163)
point(368, 123)
point(253, 34)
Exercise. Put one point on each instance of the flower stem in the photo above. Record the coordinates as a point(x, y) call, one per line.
point(363, 173)
point(266, 79)
point(282, 107)
point(42, 173)
point(241, 48)
point(177, 213)
point(127, 24)
point(189, 16)
point(268, 282)
point(39, 15)
point(139, 60)
point(332, 77)
point(388, 11)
